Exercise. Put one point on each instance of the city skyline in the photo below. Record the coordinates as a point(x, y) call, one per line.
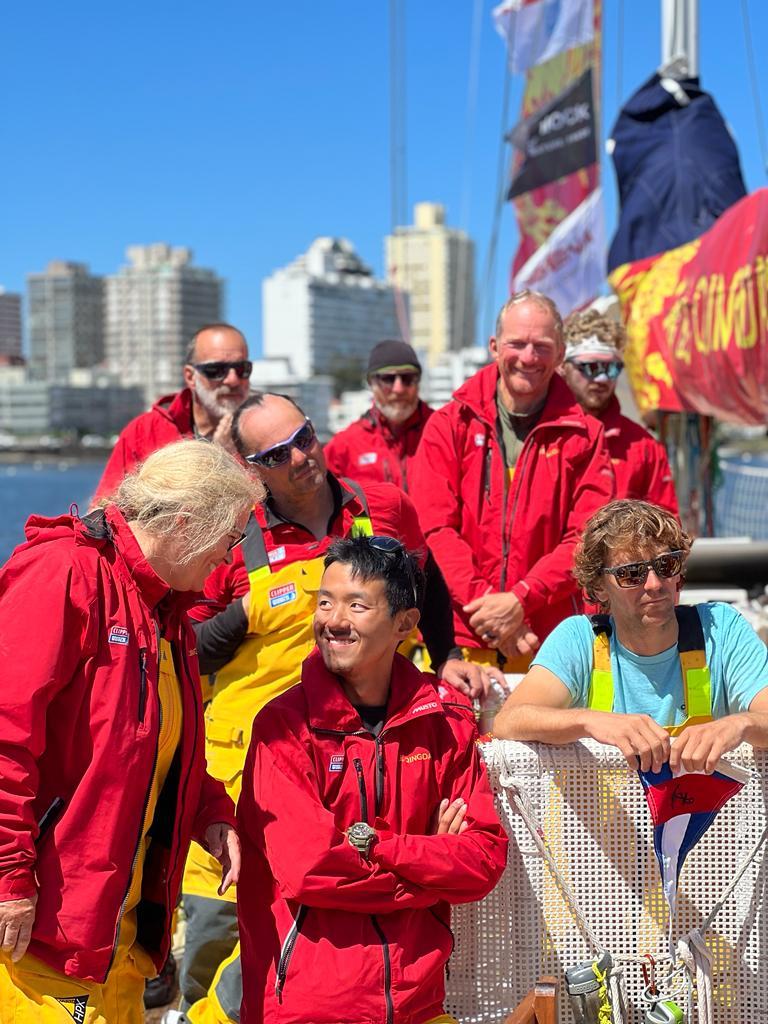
point(246, 137)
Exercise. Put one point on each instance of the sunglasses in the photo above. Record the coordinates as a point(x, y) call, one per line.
point(278, 454)
point(387, 380)
point(593, 370)
point(390, 546)
point(236, 543)
point(634, 574)
point(219, 370)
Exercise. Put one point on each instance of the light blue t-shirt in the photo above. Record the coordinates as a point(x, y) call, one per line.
point(653, 685)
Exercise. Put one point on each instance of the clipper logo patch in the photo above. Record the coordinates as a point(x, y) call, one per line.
point(118, 635)
point(75, 1007)
point(276, 555)
point(367, 458)
point(337, 763)
point(479, 440)
point(282, 595)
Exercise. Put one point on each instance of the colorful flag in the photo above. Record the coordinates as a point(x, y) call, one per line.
point(557, 140)
point(682, 807)
point(570, 266)
point(537, 30)
point(697, 320)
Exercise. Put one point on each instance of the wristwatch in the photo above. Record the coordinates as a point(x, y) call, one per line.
point(361, 835)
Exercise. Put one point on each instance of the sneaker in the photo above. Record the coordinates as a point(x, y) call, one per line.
point(163, 989)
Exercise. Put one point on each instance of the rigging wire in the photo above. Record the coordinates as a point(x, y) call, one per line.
point(620, 56)
point(753, 83)
point(463, 316)
point(490, 263)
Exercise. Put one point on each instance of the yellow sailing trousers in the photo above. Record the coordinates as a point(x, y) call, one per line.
point(33, 993)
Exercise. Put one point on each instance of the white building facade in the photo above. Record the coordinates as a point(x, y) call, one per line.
point(435, 265)
point(326, 310)
point(154, 305)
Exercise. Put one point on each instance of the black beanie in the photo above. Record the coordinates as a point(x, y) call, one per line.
point(391, 353)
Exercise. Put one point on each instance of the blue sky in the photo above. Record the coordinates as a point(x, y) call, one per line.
point(245, 130)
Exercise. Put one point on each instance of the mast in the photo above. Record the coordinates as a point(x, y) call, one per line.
point(680, 38)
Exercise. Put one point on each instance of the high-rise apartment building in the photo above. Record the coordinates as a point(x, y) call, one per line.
point(326, 310)
point(435, 265)
point(153, 307)
point(10, 324)
point(66, 320)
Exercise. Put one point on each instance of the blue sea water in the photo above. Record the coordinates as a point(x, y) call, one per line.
point(43, 487)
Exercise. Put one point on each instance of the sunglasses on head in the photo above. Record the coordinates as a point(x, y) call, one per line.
point(219, 370)
point(634, 574)
point(278, 454)
point(387, 380)
point(390, 546)
point(599, 368)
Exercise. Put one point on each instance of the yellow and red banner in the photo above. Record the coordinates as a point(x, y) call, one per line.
point(697, 320)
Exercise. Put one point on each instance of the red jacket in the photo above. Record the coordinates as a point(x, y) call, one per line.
point(327, 936)
point(169, 420)
point(489, 537)
point(368, 450)
point(639, 461)
point(81, 613)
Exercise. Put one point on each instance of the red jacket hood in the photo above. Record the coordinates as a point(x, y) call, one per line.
point(177, 409)
point(479, 395)
point(98, 529)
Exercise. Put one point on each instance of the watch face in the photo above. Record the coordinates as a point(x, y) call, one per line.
point(360, 830)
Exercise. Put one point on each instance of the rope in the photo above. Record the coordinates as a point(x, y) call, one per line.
point(753, 84)
point(693, 952)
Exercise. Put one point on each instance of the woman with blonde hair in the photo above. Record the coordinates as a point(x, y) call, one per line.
point(102, 769)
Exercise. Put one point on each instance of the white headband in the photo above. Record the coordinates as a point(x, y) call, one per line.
point(592, 346)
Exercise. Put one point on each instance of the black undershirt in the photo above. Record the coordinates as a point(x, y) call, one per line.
point(372, 717)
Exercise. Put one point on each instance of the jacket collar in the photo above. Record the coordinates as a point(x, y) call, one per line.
point(177, 408)
point(479, 395)
point(342, 496)
point(411, 695)
point(152, 589)
point(611, 416)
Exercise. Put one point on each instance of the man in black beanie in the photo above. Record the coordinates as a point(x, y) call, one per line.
point(381, 444)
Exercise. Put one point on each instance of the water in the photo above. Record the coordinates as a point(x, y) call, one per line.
point(47, 488)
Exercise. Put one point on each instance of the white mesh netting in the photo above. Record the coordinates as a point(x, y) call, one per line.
point(597, 825)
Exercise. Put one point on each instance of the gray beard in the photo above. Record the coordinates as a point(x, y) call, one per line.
point(210, 402)
point(396, 413)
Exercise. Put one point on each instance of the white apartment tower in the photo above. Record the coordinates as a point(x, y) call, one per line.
point(66, 320)
point(153, 307)
point(435, 265)
point(326, 310)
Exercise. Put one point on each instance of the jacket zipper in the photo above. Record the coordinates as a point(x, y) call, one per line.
point(361, 787)
point(379, 773)
point(506, 530)
point(182, 787)
point(142, 683)
point(387, 970)
point(138, 841)
point(286, 951)
point(448, 928)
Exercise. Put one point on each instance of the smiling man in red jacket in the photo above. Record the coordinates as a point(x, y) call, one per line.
point(509, 472)
point(365, 812)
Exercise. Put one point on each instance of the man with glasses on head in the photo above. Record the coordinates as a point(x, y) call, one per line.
point(593, 346)
point(256, 629)
point(365, 813)
point(648, 668)
point(380, 445)
point(508, 473)
point(217, 380)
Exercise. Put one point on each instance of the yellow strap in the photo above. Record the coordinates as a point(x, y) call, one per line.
point(604, 1015)
point(260, 573)
point(698, 684)
point(601, 683)
point(361, 527)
